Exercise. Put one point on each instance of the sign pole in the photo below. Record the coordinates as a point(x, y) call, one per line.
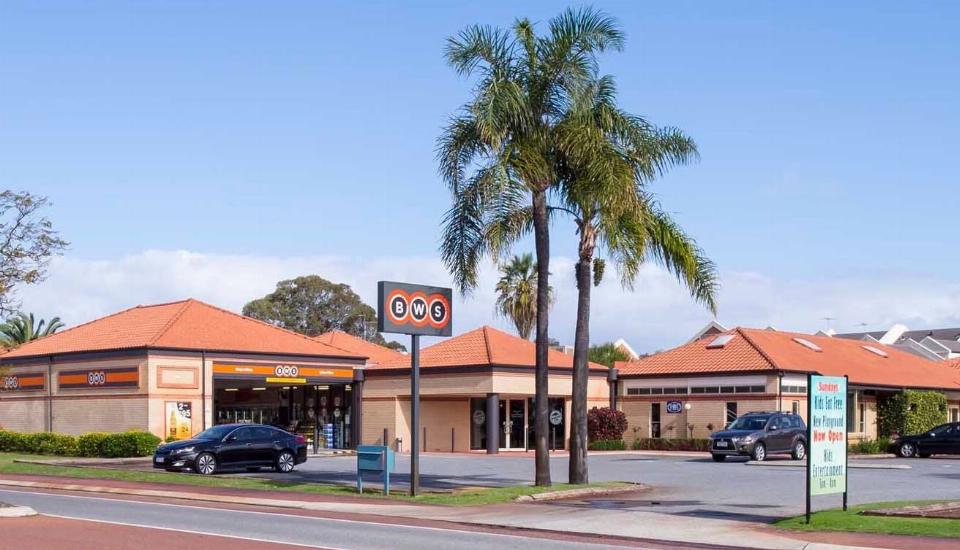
point(414, 414)
point(809, 440)
point(846, 444)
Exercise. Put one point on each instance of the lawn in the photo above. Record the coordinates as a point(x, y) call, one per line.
point(462, 497)
point(851, 520)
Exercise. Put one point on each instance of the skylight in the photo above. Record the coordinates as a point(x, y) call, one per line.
point(807, 344)
point(720, 341)
point(877, 351)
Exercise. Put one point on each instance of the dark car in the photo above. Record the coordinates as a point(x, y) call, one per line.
point(758, 434)
point(944, 439)
point(249, 446)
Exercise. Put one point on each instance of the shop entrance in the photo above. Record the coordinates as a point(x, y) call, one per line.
point(512, 429)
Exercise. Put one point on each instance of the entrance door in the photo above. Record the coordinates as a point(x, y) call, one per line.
point(512, 425)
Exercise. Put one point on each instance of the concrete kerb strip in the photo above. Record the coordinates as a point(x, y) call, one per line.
point(581, 493)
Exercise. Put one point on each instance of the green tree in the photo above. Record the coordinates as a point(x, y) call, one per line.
point(27, 242)
point(607, 354)
point(607, 158)
point(312, 305)
point(517, 293)
point(498, 154)
point(23, 328)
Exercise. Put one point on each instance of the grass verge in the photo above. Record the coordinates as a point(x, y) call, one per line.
point(473, 496)
point(852, 521)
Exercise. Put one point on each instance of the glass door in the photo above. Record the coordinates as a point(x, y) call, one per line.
point(512, 426)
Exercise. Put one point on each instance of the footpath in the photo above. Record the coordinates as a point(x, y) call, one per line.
point(552, 516)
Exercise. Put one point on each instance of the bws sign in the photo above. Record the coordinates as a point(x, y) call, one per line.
point(22, 382)
point(128, 377)
point(414, 309)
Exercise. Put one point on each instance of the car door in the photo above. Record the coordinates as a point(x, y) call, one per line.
point(234, 449)
point(778, 434)
point(940, 439)
point(953, 441)
point(261, 446)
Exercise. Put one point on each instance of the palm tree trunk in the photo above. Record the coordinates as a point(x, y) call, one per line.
point(581, 347)
point(541, 236)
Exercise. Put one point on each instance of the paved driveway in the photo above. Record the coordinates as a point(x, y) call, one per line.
point(692, 486)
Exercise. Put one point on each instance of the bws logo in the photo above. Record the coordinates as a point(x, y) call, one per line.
point(96, 378)
point(11, 382)
point(286, 371)
point(418, 309)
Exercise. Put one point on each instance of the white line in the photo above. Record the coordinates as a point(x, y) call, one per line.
point(192, 532)
point(323, 518)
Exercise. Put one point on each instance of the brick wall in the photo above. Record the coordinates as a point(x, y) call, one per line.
point(80, 415)
point(23, 415)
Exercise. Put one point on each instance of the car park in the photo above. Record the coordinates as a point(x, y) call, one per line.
point(944, 439)
point(759, 434)
point(233, 446)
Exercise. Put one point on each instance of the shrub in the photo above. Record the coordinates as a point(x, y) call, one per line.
point(911, 412)
point(871, 446)
point(658, 444)
point(607, 445)
point(605, 424)
point(11, 442)
point(96, 444)
point(124, 444)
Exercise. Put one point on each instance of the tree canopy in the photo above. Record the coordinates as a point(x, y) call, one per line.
point(607, 354)
point(312, 305)
point(27, 242)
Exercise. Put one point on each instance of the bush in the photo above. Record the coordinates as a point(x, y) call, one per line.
point(605, 424)
point(871, 447)
point(658, 444)
point(607, 445)
point(98, 445)
point(911, 412)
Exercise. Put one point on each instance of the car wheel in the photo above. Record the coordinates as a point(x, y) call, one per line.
point(759, 452)
point(908, 450)
point(799, 450)
point(205, 464)
point(719, 458)
point(285, 462)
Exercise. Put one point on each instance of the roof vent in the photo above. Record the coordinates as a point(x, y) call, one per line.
point(807, 344)
point(720, 341)
point(876, 351)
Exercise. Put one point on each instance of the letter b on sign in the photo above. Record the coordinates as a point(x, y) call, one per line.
point(414, 309)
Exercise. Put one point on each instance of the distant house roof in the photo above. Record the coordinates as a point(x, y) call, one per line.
point(375, 353)
point(942, 334)
point(755, 350)
point(184, 325)
point(485, 346)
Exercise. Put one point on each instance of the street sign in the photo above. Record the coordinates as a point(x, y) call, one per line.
point(826, 437)
point(414, 309)
point(674, 407)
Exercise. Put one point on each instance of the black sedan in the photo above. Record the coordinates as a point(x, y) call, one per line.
point(249, 446)
point(944, 439)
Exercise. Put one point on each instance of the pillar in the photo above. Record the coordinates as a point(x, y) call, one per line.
point(493, 423)
point(613, 384)
point(356, 408)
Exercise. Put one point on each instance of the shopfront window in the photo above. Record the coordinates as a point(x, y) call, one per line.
point(655, 420)
point(478, 423)
point(557, 424)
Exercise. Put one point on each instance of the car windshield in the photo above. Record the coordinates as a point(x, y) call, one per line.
point(752, 423)
point(216, 432)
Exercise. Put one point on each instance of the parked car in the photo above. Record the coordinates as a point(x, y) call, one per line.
point(250, 446)
point(944, 439)
point(758, 434)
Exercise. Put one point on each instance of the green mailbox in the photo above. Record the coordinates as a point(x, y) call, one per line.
point(375, 458)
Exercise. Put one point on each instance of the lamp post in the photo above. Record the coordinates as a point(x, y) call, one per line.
point(686, 423)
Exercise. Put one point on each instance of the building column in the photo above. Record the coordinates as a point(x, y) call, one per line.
point(356, 408)
point(614, 386)
point(493, 423)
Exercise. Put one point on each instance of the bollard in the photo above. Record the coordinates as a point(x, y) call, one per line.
point(316, 437)
point(453, 439)
point(423, 446)
point(385, 444)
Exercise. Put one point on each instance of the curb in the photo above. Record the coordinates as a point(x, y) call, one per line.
point(852, 466)
point(580, 493)
point(16, 511)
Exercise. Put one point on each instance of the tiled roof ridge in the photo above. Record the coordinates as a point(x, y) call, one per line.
point(754, 345)
point(486, 343)
point(172, 321)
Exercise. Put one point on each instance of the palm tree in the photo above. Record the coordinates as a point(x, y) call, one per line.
point(517, 293)
point(607, 157)
point(22, 328)
point(504, 139)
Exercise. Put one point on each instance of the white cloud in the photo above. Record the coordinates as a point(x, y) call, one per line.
point(656, 315)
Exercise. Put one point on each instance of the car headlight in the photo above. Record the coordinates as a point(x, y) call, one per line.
point(185, 450)
point(746, 440)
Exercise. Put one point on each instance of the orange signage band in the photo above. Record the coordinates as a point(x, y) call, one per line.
point(294, 374)
point(23, 382)
point(126, 377)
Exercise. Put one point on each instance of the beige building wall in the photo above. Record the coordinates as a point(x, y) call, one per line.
point(77, 411)
point(446, 421)
point(176, 378)
point(23, 414)
point(377, 415)
point(703, 413)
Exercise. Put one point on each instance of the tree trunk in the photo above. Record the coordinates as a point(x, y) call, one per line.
point(541, 236)
point(581, 347)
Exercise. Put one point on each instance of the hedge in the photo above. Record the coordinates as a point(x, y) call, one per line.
point(659, 444)
point(911, 412)
point(607, 445)
point(871, 447)
point(97, 444)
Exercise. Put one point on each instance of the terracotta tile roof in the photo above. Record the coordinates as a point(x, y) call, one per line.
point(187, 324)
point(759, 350)
point(375, 353)
point(486, 346)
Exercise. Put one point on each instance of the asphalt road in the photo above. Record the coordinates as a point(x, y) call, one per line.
point(268, 527)
point(683, 485)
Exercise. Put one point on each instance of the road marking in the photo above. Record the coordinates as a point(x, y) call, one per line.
point(192, 532)
point(300, 517)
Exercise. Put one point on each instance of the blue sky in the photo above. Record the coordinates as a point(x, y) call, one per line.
point(295, 130)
